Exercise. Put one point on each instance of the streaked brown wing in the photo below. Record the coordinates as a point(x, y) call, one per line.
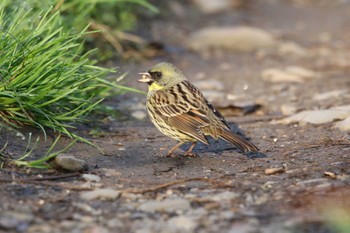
point(181, 106)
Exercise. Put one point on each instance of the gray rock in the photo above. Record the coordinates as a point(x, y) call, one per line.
point(212, 7)
point(343, 125)
point(104, 194)
point(69, 163)
point(139, 114)
point(15, 221)
point(225, 196)
point(295, 74)
point(316, 116)
point(290, 48)
point(234, 39)
point(278, 75)
point(214, 96)
point(288, 109)
point(302, 72)
point(182, 224)
point(91, 177)
point(330, 94)
point(212, 85)
point(166, 205)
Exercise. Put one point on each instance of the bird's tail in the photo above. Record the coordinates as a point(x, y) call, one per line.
point(242, 144)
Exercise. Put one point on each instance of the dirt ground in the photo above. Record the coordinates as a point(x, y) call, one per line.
point(135, 189)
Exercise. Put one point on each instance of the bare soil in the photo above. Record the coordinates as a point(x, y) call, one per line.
point(304, 195)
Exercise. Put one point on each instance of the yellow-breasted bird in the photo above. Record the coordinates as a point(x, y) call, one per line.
point(179, 110)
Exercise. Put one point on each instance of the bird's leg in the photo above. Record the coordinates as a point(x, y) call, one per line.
point(189, 151)
point(172, 150)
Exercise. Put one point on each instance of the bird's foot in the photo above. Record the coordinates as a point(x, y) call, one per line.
point(190, 154)
point(170, 155)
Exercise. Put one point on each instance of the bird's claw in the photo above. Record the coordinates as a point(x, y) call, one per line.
point(190, 154)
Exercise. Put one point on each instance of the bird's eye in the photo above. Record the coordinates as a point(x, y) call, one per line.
point(158, 74)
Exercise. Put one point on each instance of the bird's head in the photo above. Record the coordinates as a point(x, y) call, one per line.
point(162, 76)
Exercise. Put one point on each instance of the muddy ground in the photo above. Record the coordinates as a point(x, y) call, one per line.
point(220, 190)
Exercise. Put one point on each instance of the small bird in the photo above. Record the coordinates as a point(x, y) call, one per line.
point(180, 111)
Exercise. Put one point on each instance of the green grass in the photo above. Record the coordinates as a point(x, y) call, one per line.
point(41, 162)
point(48, 78)
point(109, 18)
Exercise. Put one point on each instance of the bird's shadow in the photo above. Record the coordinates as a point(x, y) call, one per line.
point(219, 146)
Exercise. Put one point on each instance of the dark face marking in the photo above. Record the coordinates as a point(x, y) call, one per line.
point(155, 75)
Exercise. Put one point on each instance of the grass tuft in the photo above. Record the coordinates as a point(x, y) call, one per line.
point(46, 80)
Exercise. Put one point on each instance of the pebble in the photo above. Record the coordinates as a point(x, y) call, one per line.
point(293, 49)
point(288, 109)
point(278, 75)
point(329, 94)
point(166, 205)
point(316, 116)
point(69, 163)
point(15, 221)
point(234, 39)
point(275, 170)
point(212, 7)
point(295, 74)
point(182, 224)
point(343, 125)
point(302, 72)
point(242, 227)
point(103, 194)
point(214, 96)
point(139, 114)
point(212, 85)
point(109, 172)
point(225, 196)
point(115, 223)
point(91, 177)
point(97, 229)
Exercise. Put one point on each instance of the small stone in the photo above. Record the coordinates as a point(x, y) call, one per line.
point(212, 7)
point(91, 177)
point(295, 74)
point(97, 229)
point(271, 171)
point(262, 199)
point(316, 116)
point(343, 125)
point(225, 196)
point(166, 205)
point(330, 174)
point(277, 75)
point(302, 72)
point(235, 39)
point(14, 221)
point(242, 227)
point(103, 194)
point(292, 49)
point(212, 85)
point(330, 94)
point(109, 172)
point(288, 109)
point(115, 223)
point(214, 96)
point(139, 114)
point(86, 208)
point(182, 224)
point(69, 163)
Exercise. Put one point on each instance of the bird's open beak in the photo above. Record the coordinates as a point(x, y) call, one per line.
point(146, 77)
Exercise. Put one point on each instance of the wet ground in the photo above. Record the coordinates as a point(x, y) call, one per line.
point(298, 183)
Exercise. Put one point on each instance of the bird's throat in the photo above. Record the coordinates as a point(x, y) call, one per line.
point(155, 87)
